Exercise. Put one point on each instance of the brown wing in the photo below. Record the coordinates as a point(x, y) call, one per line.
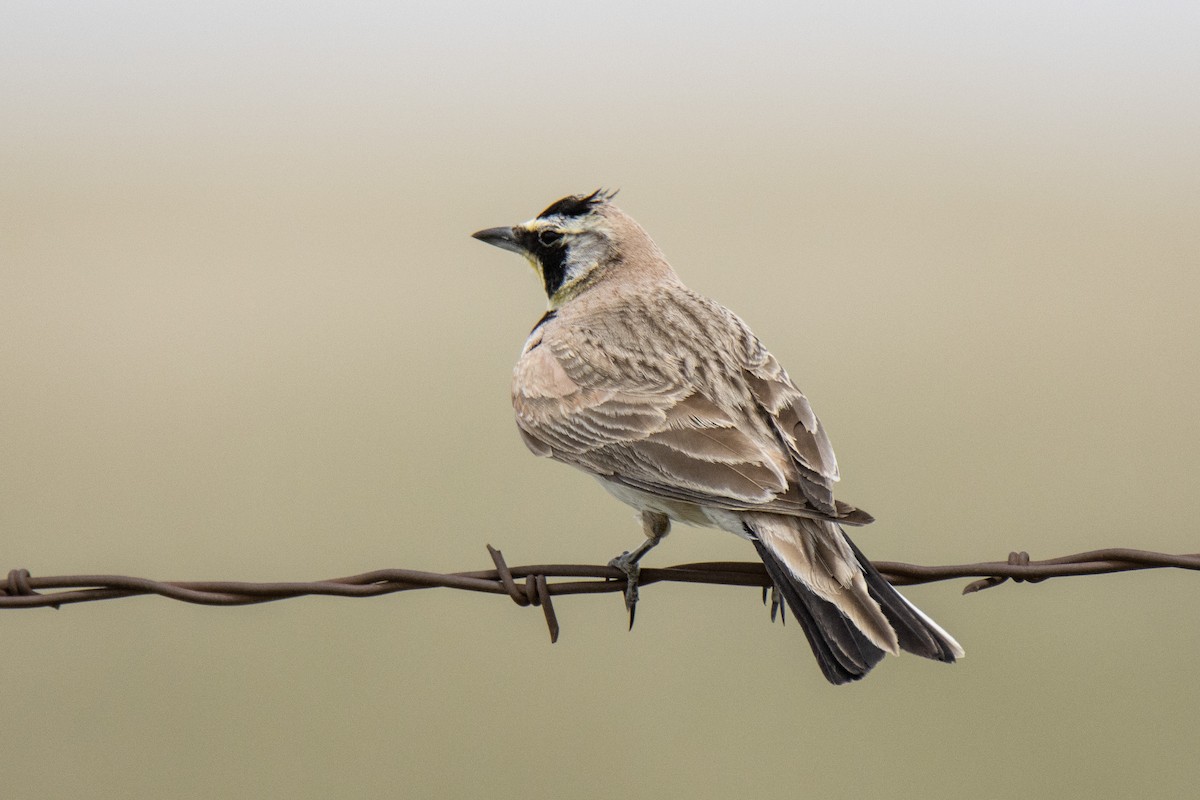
point(797, 428)
point(671, 439)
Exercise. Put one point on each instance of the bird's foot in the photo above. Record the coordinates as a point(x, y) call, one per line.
point(628, 563)
point(777, 604)
point(656, 526)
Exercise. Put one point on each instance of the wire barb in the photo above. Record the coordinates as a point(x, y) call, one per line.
point(531, 585)
point(536, 592)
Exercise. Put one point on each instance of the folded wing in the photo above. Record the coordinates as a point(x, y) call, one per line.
point(758, 448)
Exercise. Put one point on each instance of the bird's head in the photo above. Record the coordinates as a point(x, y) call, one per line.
point(577, 242)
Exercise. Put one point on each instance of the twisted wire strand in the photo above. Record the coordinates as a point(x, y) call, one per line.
point(531, 585)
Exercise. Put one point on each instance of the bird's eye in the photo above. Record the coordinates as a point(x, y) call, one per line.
point(549, 238)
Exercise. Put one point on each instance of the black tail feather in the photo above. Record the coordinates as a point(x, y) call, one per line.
point(843, 652)
point(914, 633)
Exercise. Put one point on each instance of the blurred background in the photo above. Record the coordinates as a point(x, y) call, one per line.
point(244, 334)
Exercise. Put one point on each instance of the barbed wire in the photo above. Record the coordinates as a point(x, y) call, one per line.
point(531, 586)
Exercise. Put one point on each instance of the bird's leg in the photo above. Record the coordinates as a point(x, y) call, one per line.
point(655, 526)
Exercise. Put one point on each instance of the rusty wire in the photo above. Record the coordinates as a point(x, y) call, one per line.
point(530, 585)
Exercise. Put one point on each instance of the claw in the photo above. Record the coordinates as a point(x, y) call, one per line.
point(655, 526)
point(777, 605)
point(627, 564)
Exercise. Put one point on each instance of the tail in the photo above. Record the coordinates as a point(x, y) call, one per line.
point(850, 614)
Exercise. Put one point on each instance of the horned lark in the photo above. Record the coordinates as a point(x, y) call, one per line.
point(676, 407)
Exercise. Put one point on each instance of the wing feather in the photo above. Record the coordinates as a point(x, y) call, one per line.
point(749, 441)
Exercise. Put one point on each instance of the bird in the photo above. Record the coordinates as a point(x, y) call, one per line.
point(672, 402)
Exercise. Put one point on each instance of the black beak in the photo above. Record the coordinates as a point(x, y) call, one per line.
point(505, 238)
